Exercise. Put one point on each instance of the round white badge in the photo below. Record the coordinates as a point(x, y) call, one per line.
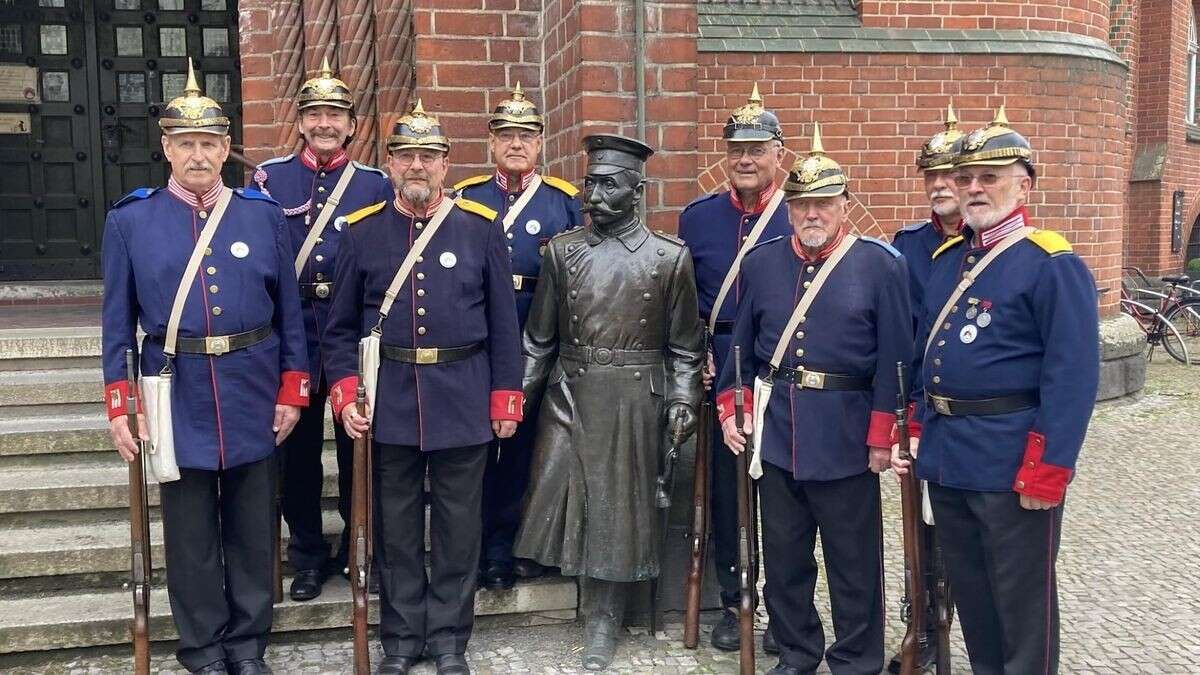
point(968, 334)
point(448, 260)
point(239, 249)
point(339, 222)
point(533, 227)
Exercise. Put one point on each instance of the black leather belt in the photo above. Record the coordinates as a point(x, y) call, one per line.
point(812, 379)
point(524, 283)
point(723, 328)
point(318, 291)
point(217, 344)
point(429, 355)
point(944, 405)
point(611, 357)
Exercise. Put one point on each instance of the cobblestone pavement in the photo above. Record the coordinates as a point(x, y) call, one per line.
point(1127, 569)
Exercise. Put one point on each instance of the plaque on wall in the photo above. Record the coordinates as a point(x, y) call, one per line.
point(14, 123)
point(18, 84)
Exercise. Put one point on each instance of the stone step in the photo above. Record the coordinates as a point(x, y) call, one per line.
point(42, 387)
point(72, 549)
point(59, 342)
point(63, 621)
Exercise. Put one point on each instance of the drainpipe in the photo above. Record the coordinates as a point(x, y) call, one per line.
point(639, 71)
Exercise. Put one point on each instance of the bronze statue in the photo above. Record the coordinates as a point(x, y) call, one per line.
point(614, 342)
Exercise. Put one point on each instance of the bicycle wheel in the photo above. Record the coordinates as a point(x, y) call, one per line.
point(1182, 339)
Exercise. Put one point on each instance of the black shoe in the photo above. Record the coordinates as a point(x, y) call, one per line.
point(396, 665)
point(781, 669)
point(924, 660)
point(770, 646)
point(528, 569)
point(250, 667)
point(452, 664)
point(725, 635)
point(213, 668)
point(307, 585)
point(498, 576)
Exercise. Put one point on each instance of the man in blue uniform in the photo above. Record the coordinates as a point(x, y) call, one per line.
point(1009, 375)
point(824, 316)
point(718, 229)
point(317, 188)
point(240, 378)
point(916, 243)
point(449, 380)
point(531, 208)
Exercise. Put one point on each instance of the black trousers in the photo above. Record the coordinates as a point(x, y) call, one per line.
point(435, 611)
point(218, 528)
point(1000, 559)
point(847, 514)
point(723, 515)
point(505, 480)
point(303, 478)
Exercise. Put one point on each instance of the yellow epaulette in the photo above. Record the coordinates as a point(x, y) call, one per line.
point(1050, 241)
point(948, 244)
point(560, 184)
point(475, 207)
point(364, 212)
point(473, 180)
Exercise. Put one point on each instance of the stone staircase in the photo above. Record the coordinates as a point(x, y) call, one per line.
point(64, 529)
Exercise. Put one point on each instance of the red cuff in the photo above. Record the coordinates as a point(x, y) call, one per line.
point(342, 394)
point(881, 432)
point(507, 405)
point(293, 388)
point(914, 424)
point(725, 403)
point(1038, 479)
point(115, 396)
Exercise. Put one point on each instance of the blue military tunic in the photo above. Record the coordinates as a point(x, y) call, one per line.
point(554, 208)
point(1040, 336)
point(301, 184)
point(222, 406)
point(916, 243)
point(714, 228)
point(459, 293)
point(859, 325)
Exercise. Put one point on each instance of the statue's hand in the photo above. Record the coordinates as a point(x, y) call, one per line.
point(682, 420)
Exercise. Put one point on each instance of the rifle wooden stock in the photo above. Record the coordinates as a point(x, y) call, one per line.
point(700, 519)
point(745, 500)
point(139, 530)
point(910, 504)
point(360, 524)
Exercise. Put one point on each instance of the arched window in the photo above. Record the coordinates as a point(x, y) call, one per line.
point(1192, 56)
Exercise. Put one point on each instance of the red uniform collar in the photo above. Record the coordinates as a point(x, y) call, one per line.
point(411, 211)
point(937, 224)
point(526, 179)
point(309, 158)
point(799, 251)
point(1016, 220)
point(763, 198)
point(197, 202)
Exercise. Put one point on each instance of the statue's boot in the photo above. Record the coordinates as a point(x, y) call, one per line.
point(604, 619)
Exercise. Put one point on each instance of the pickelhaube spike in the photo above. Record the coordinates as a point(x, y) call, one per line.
point(325, 71)
point(516, 112)
point(325, 88)
point(418, 130)
point(937, 154)
point(752, 122)
point(815, 176)
point(997, 144)
point(193, 112)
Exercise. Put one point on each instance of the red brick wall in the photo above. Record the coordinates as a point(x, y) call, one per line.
point(1084, 17)
point(876, 111)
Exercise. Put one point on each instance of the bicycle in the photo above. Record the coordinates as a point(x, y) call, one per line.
point(1174, 323)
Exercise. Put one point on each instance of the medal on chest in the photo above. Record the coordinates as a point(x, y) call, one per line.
point(968, 334)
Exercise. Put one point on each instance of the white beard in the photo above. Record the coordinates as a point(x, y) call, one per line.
point(945, 209)
point(416, 195)
point(815, 239)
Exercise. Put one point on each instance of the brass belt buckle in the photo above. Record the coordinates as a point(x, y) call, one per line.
point(518, 280)
point(812, 380)
point(940, 403)
point(217, 345)
point(321, 291)
point(427, 355)
point(602, 356)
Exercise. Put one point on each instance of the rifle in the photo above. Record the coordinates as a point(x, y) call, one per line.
point(139, 528)
point(360, 524)
point(695, 575)
point(910, 503)
point(664, 485)
point(746, 526)
point(944, 611)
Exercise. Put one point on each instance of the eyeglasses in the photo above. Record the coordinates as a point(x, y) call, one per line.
point(525, 137)
point(756, 153)
point(989, 179)
point(406, 158)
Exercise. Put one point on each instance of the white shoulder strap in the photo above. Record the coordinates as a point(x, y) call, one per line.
point(511, 216)
point(736, 267)
point(806, 300)
point(189, 272)
point(411, 259)
point(318, 227)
